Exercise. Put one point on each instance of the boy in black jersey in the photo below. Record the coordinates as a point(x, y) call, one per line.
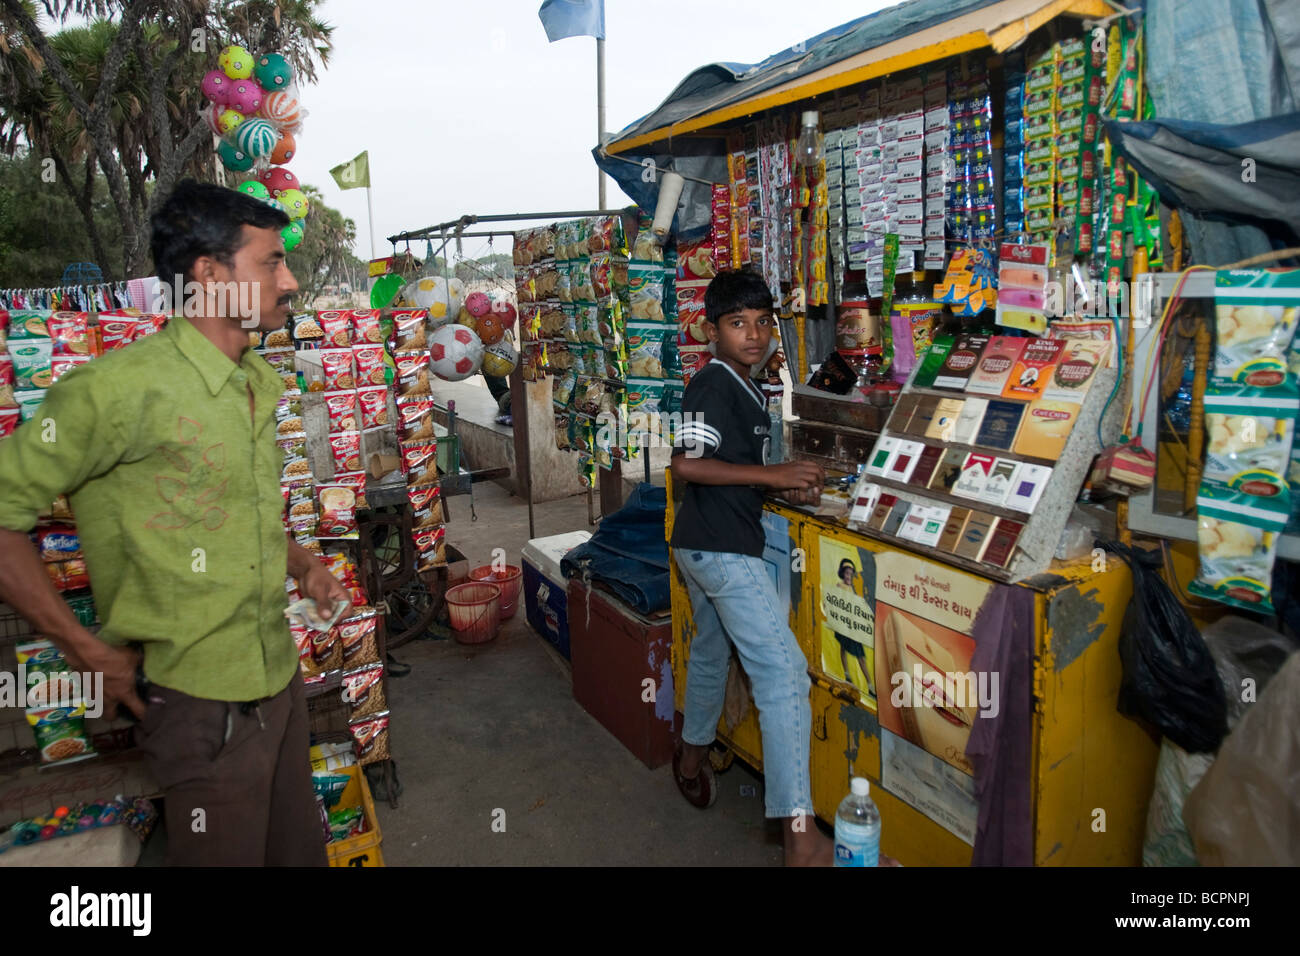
point(721, 454)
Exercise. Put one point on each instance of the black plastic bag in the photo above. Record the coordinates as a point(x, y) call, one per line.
point(1170, 678)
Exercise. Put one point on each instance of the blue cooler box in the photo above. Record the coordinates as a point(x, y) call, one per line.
point(545, 590)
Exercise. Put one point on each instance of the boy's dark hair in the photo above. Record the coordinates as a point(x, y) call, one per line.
point(734, 289)
point(200, 219)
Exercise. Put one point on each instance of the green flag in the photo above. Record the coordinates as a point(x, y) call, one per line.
point(353, 174)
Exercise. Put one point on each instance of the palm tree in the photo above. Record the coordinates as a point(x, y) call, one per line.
point(123, 93)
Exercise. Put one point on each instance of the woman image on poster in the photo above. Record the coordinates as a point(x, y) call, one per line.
point(848, 571)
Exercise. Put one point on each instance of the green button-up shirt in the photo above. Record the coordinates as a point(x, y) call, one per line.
point(176, 491)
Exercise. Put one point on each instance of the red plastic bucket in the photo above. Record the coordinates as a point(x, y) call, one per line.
point(475, 610)
point(510, 581)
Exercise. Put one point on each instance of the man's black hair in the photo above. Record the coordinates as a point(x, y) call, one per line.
point(734, 289)
point(200, 219)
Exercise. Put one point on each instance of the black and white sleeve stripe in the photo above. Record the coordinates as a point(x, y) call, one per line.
point(694, 434)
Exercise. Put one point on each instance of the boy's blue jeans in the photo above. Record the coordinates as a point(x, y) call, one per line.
point(733, 597)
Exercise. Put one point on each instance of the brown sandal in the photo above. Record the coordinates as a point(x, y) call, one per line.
point(702, 789)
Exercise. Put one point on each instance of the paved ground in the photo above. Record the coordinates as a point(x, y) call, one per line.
point(491, 728)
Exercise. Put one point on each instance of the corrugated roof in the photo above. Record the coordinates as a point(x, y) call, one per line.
point(897, 38)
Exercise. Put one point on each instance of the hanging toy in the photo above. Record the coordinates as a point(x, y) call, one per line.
point(216, 87)
point(229, 121)
point(245, 96)
point(284, 150)
point(278, 179)
point(256, 137)
point(292, 234)
point(295, 203)
point(256, 189)
point(283, 110)
point(235, 160)
point(273, 72)
point(236, 62)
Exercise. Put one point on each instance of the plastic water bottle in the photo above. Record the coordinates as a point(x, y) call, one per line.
point(857, 827)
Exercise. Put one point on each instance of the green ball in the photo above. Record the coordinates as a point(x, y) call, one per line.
point(233, 159)
point(255, 189)
point(273, 72)
point(292, 235)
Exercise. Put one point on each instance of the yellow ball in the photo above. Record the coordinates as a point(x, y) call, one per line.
point(236, 62)
point(228, 120)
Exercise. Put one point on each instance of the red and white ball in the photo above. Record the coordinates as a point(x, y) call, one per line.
point(455, 353)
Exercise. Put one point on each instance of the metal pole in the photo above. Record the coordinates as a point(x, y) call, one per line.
point(370, 212)
point(600, 112)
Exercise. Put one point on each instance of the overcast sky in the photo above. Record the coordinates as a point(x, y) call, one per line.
point(466, 109)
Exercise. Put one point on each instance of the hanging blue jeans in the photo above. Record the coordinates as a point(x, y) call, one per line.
point(732, 597)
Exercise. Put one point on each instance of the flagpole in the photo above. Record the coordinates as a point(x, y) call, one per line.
point(370, 213)
point(600, 113)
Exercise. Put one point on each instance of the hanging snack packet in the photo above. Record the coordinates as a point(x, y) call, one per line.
point(61, 734)
point(1249, 437)
point(419, 462)
point(61, 364)
point(338, 512)
point(373, 402)
point(372, 364)
point(282, 363)
point(339, 373)
point(296, 464)
point(410, 412)
point(337, 327)
point(366, 327)
point(420, 495)
point(29, 324)
point(358, 636)
point(346, 448)
point(8, 421)
point(363, 690)
point(32, 363)
point(645, 349)
point(1237, 538)
point(431, 548)
point(70, 332)
point(430, 514)
point(409, 331)
point(1256, 313)
point(326, 651)
point(356, 481)
point(342, 409)
point(288, 416)
point(370, 737)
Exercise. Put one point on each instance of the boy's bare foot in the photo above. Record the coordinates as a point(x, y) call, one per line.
point(693, 756)
point(806, 845)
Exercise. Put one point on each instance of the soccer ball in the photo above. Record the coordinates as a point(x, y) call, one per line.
point(500, 359)
point(442, 298)
point(455, 352)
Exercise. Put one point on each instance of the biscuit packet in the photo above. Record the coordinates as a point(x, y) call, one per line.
point(373, 364)
point(339, 371)
point(62, 364)
point(61, 735)
point(366, 327)
point(346, 449)
point(1237, 537)
point(1249, 437)
point(288, 416)
point(296, 465)
point(1256, 312)
point(342, 409)
point(32, 363)
point(29, 324)
point(70, 333)
point(645, 349)
point(337, 327)
point(356, 480)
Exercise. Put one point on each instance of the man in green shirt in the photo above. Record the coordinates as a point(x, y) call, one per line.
point(166, 450)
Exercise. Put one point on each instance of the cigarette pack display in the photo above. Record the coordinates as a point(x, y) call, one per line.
point(903, 462)
point(974, 535)
point(897, 515)
point(1001, 542)
point(880, 455)
point(944, 421)
point(902, 413)
point(1027, 487)
point(881, 512)
point(914, 523)
point(1002, 478)
point(974, 475)
point(1033, 370)
point(969, 420)
point(952, 529)
point(922, 415)
point(1076, 369)
point(948, 471)
point(926, 463)
point(960, 362)
point(1000, 425)
point(1046, 429)
point(995, 364)
point(865, 503)
point(933, 361)
point(934, 521)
